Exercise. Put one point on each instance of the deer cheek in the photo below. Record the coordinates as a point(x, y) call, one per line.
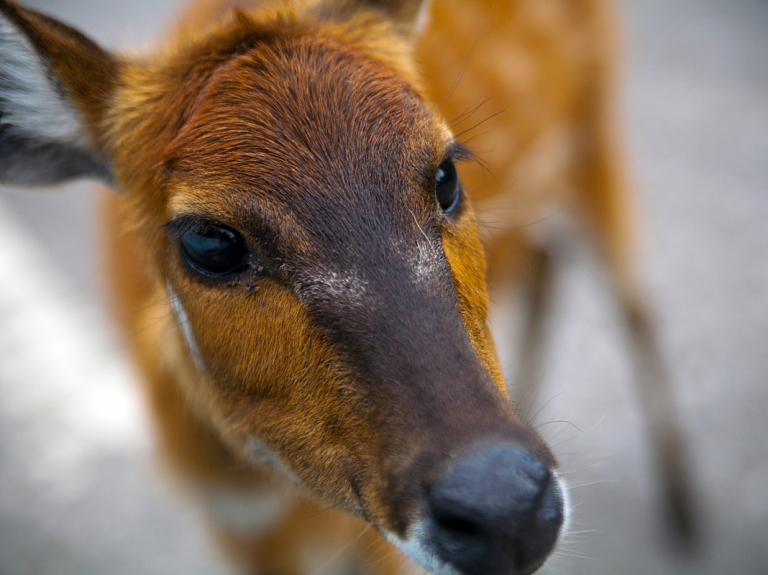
point(265, 394)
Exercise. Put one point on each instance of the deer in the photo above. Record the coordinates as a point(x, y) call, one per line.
point(299, 271)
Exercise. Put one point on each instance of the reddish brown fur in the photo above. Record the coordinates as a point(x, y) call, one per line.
point(184, 439)
point(197, 130)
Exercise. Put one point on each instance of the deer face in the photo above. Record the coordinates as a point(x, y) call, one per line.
point(303, 211)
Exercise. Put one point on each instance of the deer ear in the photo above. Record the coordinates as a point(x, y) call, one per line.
point(409, 13)
point(55, 86)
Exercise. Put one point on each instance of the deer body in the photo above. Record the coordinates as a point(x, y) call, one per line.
point(298, 271)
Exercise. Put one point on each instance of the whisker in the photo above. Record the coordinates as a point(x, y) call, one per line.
point(480, 123)
point(543, 407)
point(380, 559)
point(463, 68)
point(419, 225)
point(526, 225)
point(559, 421)
point(343, 549)
point(469, 112)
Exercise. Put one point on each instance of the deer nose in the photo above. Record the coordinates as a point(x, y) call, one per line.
point(496, 511)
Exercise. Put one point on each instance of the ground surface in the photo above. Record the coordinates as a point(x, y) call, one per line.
point(80, 492)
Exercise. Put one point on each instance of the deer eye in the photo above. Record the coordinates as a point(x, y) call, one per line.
point(447, 186)
point(213, 250)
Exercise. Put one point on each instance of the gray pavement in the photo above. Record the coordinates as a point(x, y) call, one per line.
point(80, 491)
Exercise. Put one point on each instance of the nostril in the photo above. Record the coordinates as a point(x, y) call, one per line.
point(454, 518)
point(497, 511)
point(457, 525)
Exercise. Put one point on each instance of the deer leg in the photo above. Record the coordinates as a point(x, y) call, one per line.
point(520, 271)
point(658, 401)
point(602, 190)
point(530, 360)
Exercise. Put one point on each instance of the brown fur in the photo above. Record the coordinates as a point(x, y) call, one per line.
point(238, 122)
point(192, 447)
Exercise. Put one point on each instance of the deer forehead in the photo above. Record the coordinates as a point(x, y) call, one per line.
point(292, 112)
point(308, 134)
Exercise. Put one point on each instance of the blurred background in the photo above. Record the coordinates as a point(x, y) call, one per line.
point(81, 493)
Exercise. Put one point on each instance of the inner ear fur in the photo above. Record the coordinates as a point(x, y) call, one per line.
point(406, 10)
point(407, 13)
point(55, 88)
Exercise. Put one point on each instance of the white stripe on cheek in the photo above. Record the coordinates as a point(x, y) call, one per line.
point(182, 319)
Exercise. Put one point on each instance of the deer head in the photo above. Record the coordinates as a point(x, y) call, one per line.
point(301, 210)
